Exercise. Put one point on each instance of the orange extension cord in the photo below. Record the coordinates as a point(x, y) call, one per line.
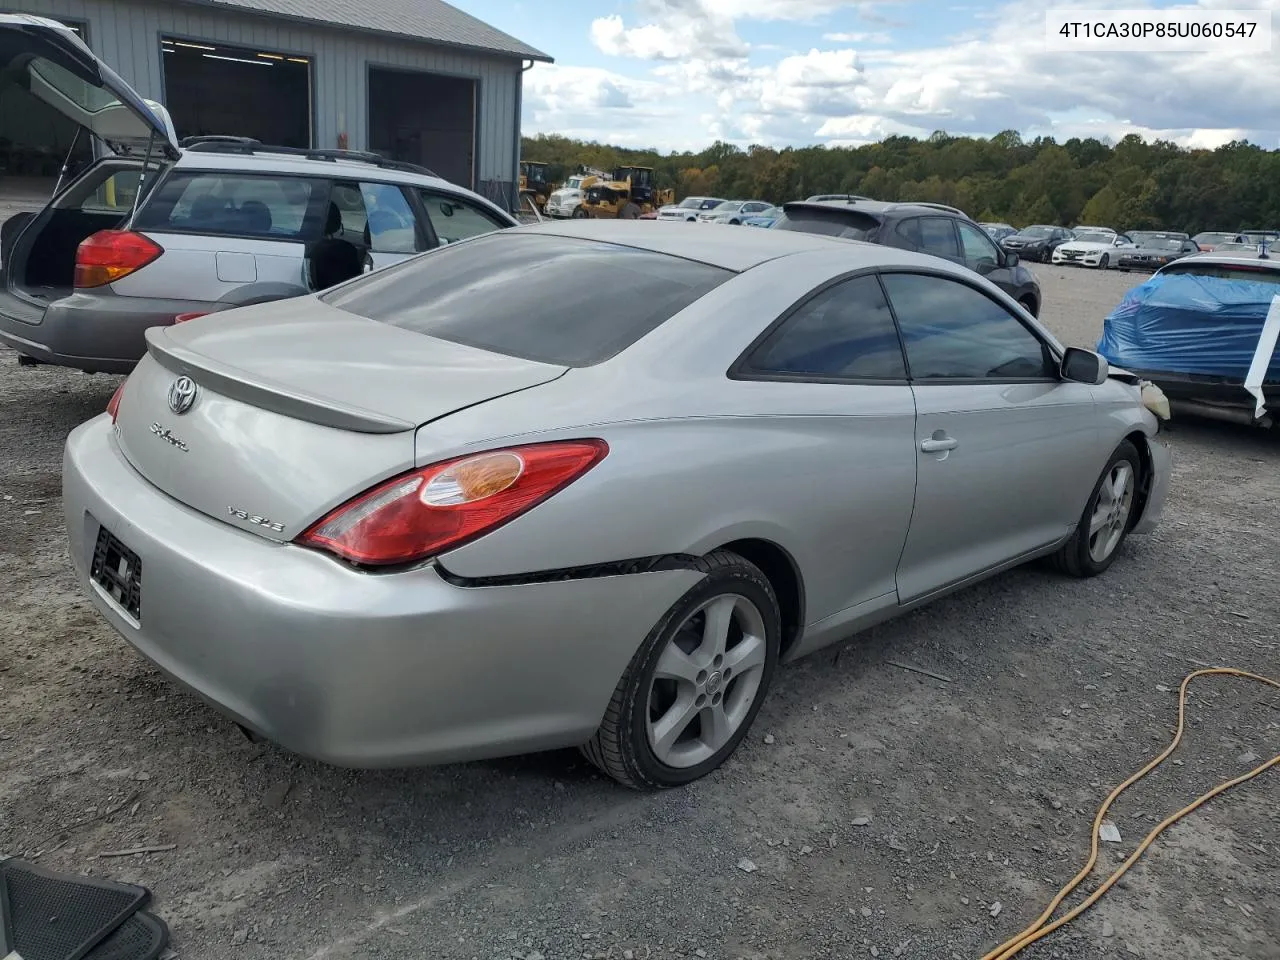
point(1041, 928)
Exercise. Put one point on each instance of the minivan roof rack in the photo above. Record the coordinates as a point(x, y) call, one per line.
point(249, 146)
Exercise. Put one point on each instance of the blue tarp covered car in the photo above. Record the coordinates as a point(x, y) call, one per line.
point(1204, 330)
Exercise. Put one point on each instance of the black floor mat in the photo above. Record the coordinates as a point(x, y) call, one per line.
point(141, 937)
point(52, 916)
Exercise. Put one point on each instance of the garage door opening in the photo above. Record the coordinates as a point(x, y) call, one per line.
point(424, 118)
point(212, 89)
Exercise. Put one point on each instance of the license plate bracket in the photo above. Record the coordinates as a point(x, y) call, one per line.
point(117, 570)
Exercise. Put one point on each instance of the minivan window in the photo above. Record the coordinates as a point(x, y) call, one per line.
point(531, 296)
point(275, 207)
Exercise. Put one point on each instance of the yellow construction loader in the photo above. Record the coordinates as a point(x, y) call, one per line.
point(630, 194)
point(534, 183)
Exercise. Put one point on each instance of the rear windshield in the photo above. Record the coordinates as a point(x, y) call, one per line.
point(849, 224)
point(556, 300)
point(1225, 272)
point(237, 205)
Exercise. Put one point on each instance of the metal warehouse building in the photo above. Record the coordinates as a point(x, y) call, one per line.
point(417, 80)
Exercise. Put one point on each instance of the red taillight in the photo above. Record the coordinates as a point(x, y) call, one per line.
point(184, 317)
point(417, 515)
point(113, 405)
point(108, 255)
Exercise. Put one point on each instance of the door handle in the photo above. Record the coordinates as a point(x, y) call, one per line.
point(938, 444)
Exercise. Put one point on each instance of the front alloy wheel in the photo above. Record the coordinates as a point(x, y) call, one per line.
point(692, 690)
point(1107, 517)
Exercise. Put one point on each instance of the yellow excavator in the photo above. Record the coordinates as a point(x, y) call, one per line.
point(627, 196)
point(534, 183)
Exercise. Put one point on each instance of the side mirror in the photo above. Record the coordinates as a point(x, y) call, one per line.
point(1084, 366)
point(1010, 260)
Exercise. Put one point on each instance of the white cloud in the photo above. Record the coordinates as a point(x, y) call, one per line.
point(877, 37)
point(704, 82)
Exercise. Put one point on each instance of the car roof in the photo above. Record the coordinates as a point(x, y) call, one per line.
point(873, 208)
point(263, 160)
point(1229, 258)
point(736, 250)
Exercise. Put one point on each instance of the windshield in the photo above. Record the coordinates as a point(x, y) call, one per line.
point(1095, 238)
point(708, 204)
point(1214, 237)
point(729, 205)
point(574, 183)
point(1163, 243)
point(690, 203)
point(1249, 272)
point(1145, 238)
point(522, 295)
point(1037, 231)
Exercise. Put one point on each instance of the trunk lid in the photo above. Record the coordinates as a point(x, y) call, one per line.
point(267, 417)
point(47, 59)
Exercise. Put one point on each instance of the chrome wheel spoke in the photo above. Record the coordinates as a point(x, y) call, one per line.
point(746, 655)
point(716, 726)
point(719, 618)
point(675, 664)
point(668, 728)
point(1101, 519)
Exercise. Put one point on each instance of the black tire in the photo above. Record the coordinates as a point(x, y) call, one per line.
point(579, 213)
point(1105, 262)
point(628, 211)
point(620, 747)
point(1073, 557)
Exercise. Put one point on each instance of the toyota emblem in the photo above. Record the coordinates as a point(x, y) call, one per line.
point(182, 394)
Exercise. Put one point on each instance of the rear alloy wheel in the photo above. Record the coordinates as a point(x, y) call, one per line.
point(1105, 261)
point(1106, 519)
point(695, 685)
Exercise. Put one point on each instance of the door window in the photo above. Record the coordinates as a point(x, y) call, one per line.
point(392, 227)
point(844, 332)
point(938, 237)
point(976, 246)
point(954, 332)
point(907, 234)
point(454, 219)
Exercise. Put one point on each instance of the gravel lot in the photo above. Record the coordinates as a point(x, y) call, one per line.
point(886, 814)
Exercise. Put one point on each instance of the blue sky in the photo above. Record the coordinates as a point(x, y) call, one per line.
point(678, 74)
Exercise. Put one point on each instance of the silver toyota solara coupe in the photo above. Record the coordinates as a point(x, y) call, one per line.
point(585, 483)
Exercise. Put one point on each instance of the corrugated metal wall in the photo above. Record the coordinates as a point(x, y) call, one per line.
point(126, 34)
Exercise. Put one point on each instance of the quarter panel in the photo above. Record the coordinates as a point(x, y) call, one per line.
point(826, 471)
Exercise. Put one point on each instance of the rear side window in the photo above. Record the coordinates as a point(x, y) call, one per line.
point(850, 224)
point(844, 332)
point(237, 205)
point(554, 300)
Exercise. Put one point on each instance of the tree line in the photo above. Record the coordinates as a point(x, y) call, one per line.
point(1130, 185)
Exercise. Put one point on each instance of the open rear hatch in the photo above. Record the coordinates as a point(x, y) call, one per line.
point(48, 60)
point(268, 416)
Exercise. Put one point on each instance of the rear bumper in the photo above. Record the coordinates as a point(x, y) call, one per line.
point(351, 668)
point(100, 332)
point(1209, 389)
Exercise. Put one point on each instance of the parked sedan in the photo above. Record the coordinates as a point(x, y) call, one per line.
point(998, 231)
point(1153, 251)
point(1036, 242)
point(1210, 241)
point(1091, 249)
point(432, 515)
point(734, 212)
point(689, 208)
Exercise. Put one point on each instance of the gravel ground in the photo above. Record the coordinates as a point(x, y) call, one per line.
point(885, 814)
